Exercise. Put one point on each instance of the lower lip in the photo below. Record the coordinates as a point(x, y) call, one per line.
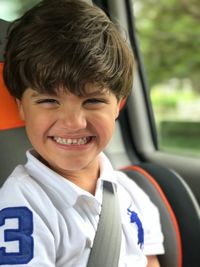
point(74, 146)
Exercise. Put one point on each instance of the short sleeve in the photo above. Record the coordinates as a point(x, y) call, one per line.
point(147, 212)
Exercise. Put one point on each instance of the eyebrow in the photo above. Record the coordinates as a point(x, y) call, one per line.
point(96, 93)
point(33, 95)
point(36, 94)
point(87, 94)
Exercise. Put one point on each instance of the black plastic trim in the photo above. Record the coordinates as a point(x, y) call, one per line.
point(141, 71)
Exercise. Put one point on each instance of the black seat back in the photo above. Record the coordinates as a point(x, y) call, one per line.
point(179, 211)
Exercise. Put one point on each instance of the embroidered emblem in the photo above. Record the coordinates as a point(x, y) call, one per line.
point(22, 233)
point(135, 219)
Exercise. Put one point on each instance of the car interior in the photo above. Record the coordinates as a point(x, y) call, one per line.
point(176, 198)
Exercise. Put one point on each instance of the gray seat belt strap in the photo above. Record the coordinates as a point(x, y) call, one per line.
point(107, 243)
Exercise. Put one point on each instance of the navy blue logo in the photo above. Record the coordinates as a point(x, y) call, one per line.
point(21, 234)
point(135, 219)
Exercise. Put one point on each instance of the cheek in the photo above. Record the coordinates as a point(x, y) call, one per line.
point(37, 125)
point(105, 125)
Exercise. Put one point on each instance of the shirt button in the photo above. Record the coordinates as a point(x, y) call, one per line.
point(88, 243)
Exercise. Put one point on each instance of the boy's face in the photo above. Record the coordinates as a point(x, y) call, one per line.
point(69, 131)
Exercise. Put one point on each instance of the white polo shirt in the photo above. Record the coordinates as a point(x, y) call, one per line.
point(47, 221)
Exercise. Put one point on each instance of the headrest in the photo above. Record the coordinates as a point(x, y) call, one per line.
point(9, 115)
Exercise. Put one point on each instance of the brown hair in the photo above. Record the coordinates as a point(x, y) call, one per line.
point(68, 44)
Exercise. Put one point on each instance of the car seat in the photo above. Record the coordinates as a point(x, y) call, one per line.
point(13, 140)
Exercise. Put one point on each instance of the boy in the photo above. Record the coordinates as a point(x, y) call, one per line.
point(68, 68)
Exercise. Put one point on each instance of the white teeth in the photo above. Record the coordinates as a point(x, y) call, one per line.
point(63, 141)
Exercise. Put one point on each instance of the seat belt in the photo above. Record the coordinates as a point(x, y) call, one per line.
point(107, 242)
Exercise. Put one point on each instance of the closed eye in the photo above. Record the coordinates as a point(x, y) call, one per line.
point(95, 101)
point(47, 101)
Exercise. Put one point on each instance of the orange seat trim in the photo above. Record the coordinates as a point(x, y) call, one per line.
point(9, 115)
point(122, 104)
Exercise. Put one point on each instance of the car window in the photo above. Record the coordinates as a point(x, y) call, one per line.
point(13, 9)
point(169, 38)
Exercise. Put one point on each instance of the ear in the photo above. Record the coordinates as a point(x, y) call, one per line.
point(118, 108)
point(122, 103)
point(20, 108)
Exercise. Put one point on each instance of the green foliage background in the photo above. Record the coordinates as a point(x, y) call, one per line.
point(169, 35)
point(168, 32)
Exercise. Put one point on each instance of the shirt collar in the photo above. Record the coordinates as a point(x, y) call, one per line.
point(63, 189)
point(106, 169)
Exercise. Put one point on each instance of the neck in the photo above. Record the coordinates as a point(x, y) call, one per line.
point(86, 183)
point(85, 179)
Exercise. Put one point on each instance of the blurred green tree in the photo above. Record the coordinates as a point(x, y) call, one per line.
point(169, 36)
point(13, 9)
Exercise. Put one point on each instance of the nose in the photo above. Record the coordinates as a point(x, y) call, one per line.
point(73, 120)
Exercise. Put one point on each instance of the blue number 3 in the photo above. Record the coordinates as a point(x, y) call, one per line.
point(22, 235)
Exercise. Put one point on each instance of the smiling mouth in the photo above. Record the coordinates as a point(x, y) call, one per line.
point(72, 141)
